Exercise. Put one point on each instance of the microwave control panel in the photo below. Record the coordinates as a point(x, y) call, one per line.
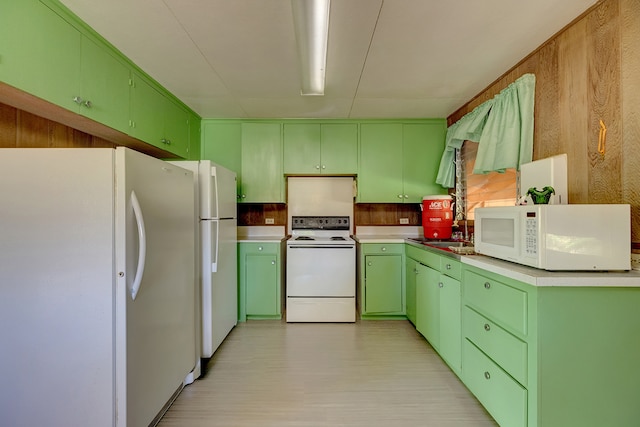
point(531, 237)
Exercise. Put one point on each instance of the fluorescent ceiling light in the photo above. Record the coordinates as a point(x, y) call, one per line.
point(311, 21)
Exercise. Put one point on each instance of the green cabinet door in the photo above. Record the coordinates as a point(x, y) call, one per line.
point(176, 128)
point(423, 144)
point(410, 288)
point(222, 143)
point(259, 281)
point(339, 148)
point(428, 304)
point(450, 346)
point(380, 168)
point(147, 114)
point(104, 87)
point(262, 179)
point(262, 289)
point(383, 284)
point(301, 145)
point(39, 52)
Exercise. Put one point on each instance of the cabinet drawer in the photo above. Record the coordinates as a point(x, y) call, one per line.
point(501, 395)
point(501, 303)
point(450, 267)
point(424, 257)
point(261, 248)
point(506, 350)
point(382, 248)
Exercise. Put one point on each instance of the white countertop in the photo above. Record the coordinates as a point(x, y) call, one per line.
point(261, 234)
point(537, 277)
point(386, 234)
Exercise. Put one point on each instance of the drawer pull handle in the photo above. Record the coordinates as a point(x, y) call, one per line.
point(487, 375)
point(487, 327)
point(487, 285)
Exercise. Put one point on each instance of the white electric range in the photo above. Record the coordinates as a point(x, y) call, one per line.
point(321, 270)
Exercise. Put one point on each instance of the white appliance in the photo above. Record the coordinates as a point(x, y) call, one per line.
point(97, 285)
point(551, 171)
point(321, 270)
point(321, 255)
point(557, 237)
point(215, 187)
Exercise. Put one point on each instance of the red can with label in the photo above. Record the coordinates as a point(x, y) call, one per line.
point(437, 216)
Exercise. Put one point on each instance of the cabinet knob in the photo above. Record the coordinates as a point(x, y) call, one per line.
point(244, 196)
point(383, 249)
point(415, 270)
point(487, 327)
point(259, 248)
point(487, 285)
point(487, 375)
point(317, 166)
point(399, 196)
point(369, 263)
point(448, 266)
point(87, 104)
point(273, 263)
point(406, 196)
point(440, 284)
point(324, 167)
point(77, 100)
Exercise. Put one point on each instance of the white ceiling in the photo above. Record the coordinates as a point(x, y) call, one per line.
point(387, 58)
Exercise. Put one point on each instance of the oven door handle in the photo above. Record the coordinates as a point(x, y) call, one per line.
point(321, 247)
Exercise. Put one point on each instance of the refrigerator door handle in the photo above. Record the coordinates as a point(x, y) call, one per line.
point(142, 245)
point(216, 243)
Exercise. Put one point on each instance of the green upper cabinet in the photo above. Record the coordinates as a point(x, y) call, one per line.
point(104, 89)
point(39, 52)
point(51, 59)
point(262, 179)
point(399, 161)
point(380, 173)
point(320, 148)
point(157, 119)
point(422, 147)
point(222, 143)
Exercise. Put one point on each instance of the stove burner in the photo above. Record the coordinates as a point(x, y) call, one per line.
point(304, 238)
point(337, 238)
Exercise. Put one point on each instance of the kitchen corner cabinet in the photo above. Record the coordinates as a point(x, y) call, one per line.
point(262, 179)
point(260, 280)
point(437, 302)
point(399, 161)
point(551, 356)
point(382, 280)
point(326, 148)
point(158, 120)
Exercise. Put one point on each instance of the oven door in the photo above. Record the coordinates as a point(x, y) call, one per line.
point(322, 270)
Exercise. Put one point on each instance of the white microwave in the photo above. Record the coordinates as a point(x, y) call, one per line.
point(557, 237)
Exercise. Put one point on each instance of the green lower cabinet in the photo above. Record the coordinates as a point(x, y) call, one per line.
point(428, 304)
point(260, 281)
point(411, 274)
point(450, 323)
point(551, 356)
point(382, 281)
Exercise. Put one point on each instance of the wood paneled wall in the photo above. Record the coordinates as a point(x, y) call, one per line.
point(590, 71)
point(19, 129)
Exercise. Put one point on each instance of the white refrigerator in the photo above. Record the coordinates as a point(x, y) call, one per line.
point(215, 187)
point(97, 286)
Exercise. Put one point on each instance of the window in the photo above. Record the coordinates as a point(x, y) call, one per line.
point(492, 189)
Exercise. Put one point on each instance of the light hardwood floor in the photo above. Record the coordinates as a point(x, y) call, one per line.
point(371, 373)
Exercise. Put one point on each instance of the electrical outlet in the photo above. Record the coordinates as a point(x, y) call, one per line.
point(268, 221)
point(404, 220)
point(635, 261)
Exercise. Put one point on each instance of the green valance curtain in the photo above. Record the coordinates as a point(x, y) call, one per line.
point(503, 127)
